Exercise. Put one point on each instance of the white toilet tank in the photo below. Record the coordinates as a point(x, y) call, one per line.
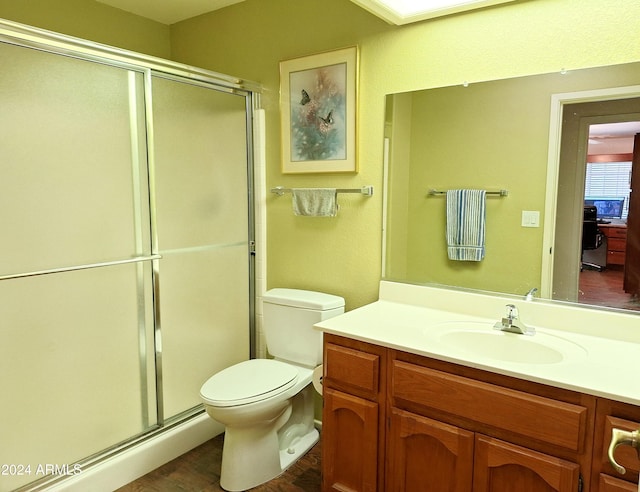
point(289, 316)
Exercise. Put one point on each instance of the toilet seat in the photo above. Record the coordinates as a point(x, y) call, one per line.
point(248, 382)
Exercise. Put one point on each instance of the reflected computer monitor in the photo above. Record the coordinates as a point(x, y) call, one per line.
point(608, 208)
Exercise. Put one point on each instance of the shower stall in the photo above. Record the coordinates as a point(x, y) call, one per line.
point(126, 264)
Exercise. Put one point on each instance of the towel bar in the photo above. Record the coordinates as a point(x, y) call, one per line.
point(433, 192)
point(365, 190)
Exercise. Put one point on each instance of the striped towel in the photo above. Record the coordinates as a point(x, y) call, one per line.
point(466, 214)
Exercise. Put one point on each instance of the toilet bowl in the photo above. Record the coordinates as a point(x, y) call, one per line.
point(267, 405)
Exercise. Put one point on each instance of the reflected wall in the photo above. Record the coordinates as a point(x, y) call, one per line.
point(491, 135)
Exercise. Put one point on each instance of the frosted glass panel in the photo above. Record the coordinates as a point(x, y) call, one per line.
point(70, 366)
point(66, 193)
point(201, 165)
point(205, 320)
point(202, 220)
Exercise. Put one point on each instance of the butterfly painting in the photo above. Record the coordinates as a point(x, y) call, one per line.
point(318, 122)
point(319, 119)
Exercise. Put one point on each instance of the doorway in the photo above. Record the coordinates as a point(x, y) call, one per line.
point(609, 168)
point(579, 112)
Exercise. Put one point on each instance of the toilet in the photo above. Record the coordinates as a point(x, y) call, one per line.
point(267, 405)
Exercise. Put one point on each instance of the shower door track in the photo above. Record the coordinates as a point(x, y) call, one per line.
point(32, 37)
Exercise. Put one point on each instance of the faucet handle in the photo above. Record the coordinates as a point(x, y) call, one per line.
point(512, 323)
point(512, 312)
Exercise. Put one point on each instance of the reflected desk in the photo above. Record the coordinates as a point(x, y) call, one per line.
point(616, 234)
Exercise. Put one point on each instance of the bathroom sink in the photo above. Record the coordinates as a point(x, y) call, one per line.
point(481, 339)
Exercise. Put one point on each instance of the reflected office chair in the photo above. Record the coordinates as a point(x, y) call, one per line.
point(592, 238)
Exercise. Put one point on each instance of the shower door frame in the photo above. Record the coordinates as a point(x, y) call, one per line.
point(58, 44)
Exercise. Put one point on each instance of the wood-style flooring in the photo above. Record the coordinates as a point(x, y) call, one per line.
point(605, 289)
point(199, 470)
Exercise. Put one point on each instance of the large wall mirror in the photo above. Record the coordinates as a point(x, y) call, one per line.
point(556, 142)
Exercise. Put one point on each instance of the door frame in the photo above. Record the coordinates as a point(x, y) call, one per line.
point(558, 101)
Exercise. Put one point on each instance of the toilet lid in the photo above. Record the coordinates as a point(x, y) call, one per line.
point(247, 382)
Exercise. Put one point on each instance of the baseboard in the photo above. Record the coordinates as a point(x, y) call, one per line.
point(143, 458)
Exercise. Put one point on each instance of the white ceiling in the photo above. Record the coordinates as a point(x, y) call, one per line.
point(610, 130)
point(393, 11)
point(169, 11)
point(603, 138)
point(612, 138)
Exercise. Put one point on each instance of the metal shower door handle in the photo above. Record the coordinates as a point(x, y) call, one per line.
point(619, 437)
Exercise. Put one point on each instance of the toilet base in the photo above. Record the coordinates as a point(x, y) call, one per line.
point(263, 438)
point(299, 448)
point(258, 463)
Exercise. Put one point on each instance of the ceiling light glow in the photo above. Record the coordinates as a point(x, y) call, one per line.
point(405, 11)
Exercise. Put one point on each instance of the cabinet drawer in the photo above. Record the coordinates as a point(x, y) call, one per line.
point(616, 232)
point(615, 257)
point(546, 420)
point(351, 369)
point(617, 244)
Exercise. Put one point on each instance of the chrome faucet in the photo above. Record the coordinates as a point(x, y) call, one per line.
point(529, 295)
point(512, 323)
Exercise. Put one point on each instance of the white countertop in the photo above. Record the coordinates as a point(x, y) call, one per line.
point(605, 365)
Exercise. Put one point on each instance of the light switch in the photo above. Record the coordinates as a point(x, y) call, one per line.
point(530, 218)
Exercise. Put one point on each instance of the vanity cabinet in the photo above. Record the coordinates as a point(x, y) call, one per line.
point(395, 421)
point(610, 415)
point(462, 430)
point(354, 390)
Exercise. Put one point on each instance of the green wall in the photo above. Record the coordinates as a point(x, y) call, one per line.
point(342, 255)
point(249, 39)
point(91, 20)
point(338, 255)
point(489, 135)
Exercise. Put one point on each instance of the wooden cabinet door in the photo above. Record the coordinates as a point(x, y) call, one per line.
point(624, 455)
point(611, 484)
point(503, 467)
point(424, 455)
point(349, 443)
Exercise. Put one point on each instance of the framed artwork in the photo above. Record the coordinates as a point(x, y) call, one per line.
point(318, 112)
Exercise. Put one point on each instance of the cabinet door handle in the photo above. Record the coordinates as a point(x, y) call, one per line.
point(618, 437)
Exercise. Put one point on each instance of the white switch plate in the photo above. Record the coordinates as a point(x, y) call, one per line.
point(530, 218)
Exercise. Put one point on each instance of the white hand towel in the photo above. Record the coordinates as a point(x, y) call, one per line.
point(315, 202)
point(466, 215)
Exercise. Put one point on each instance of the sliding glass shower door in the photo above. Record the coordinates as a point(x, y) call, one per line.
point(125, 270)
point(76, 306)
point(200, 188)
